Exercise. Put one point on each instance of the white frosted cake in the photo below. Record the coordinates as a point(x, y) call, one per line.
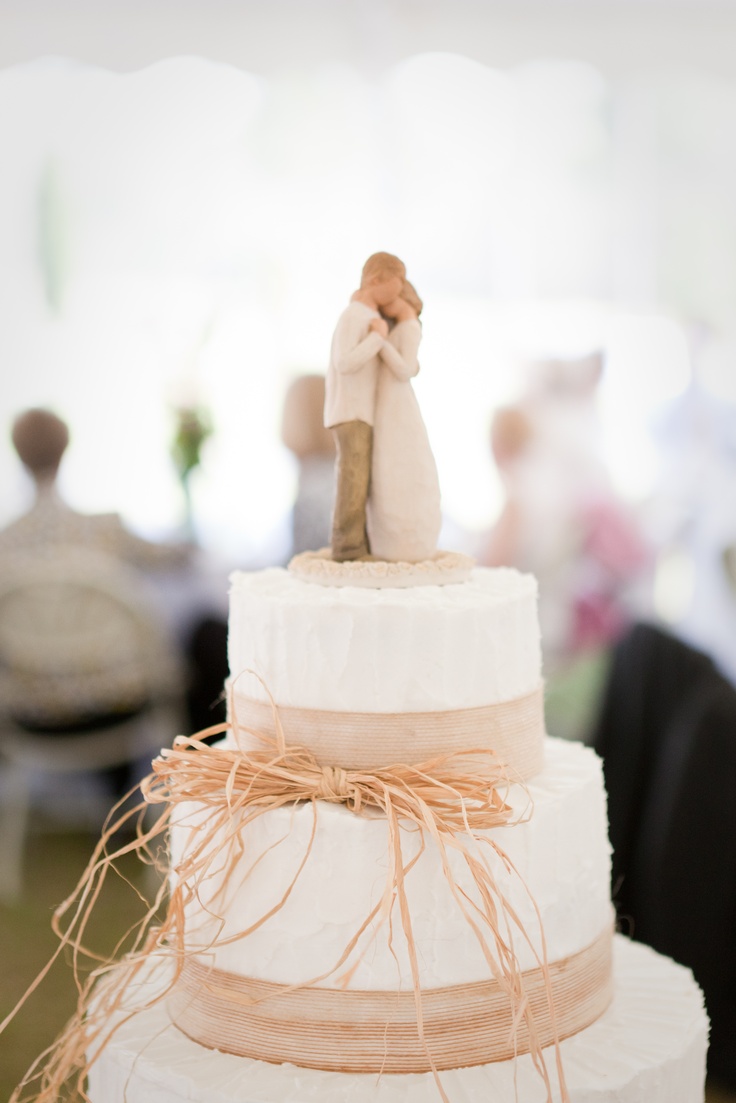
point(300, 977)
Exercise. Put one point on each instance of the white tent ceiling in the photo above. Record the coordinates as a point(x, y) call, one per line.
point(266, 35)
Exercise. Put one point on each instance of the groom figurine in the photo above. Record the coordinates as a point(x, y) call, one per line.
point(350, 396)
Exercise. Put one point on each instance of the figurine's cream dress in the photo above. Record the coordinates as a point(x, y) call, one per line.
point(404, 500)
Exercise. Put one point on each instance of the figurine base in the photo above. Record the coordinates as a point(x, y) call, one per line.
point(443, 569)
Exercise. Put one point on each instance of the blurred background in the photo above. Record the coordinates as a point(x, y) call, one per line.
point(189, 190)
point(189, 193)
point(186, 229)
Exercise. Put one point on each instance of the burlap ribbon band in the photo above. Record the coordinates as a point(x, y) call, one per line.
point(371, 1032)
point(513, 730)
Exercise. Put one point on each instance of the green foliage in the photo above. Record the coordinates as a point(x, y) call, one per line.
point(193, 427)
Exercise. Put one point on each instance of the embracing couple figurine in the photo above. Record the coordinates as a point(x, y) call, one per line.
point(387, 501)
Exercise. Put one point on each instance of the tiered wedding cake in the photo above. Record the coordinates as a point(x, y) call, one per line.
point(387, 884)
point(304, 954)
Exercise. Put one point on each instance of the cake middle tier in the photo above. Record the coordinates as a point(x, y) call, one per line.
point(339, 867)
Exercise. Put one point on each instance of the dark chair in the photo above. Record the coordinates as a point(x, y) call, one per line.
point(667, 735)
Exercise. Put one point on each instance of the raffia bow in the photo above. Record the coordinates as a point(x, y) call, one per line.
point(451, 798)
point(444, 794)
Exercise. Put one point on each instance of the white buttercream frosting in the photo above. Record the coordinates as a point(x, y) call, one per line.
point(398, 651)
point(561, 856)
point(392, 650)
point(649, 1047)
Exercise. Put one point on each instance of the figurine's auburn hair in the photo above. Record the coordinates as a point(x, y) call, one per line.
point(382, 266)
point(409, 295)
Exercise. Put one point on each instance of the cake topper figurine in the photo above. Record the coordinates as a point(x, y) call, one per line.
point(386, 517)
point(387, 492)
point(350, 399)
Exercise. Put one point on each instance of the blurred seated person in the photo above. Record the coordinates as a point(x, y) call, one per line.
point(84, 699)
point(729, 565)
point(304, 434)
point(511, 435)
point(562, 522)
point(40, 439)
point(692, 518)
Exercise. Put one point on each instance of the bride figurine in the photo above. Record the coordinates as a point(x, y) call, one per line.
point(403, 509)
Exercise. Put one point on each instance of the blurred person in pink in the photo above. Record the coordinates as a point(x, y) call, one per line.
point(562, 521)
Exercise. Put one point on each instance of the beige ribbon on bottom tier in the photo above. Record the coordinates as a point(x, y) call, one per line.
point(514, 730)
point(371, 1032)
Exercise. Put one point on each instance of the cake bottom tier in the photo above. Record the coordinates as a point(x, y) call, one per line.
point(648, 1047)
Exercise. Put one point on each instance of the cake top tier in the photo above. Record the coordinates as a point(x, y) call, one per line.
point(356, 650)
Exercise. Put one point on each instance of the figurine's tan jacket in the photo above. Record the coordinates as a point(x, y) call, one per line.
point(350, 385)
